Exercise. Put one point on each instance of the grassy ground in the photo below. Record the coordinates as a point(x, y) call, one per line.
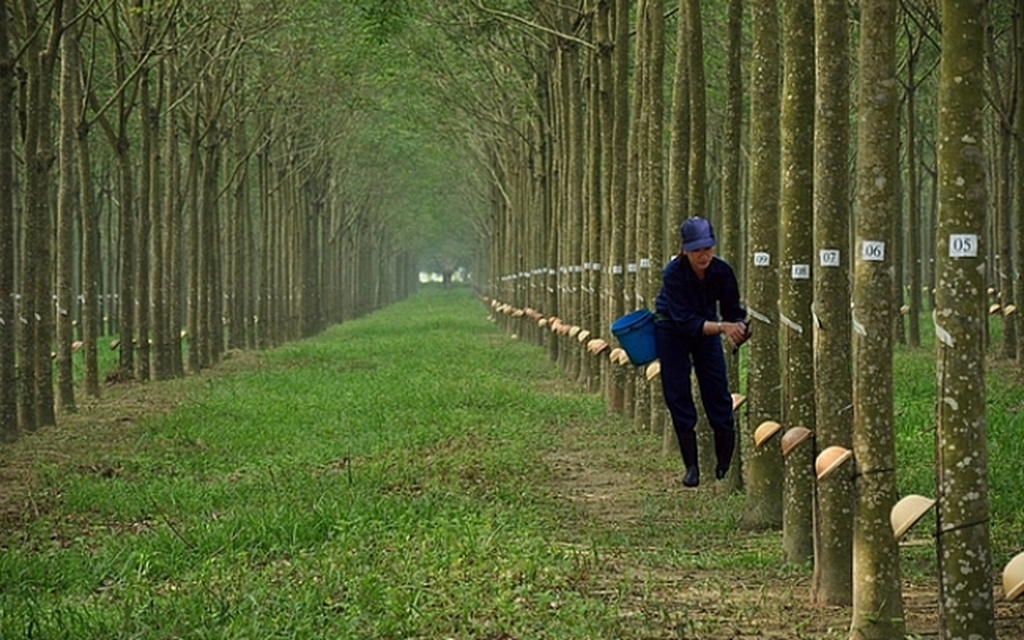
point(414, 474)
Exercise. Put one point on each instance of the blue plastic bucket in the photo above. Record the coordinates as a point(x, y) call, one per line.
point(635, 332)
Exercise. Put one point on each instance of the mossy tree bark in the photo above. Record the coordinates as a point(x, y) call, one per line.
point(964, 557)
point(833, 550)
point(764, 469)
point(877, 602)
point(795, 280)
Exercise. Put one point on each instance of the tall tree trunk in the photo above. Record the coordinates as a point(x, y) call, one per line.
point(37, 308)
point(796, 287)
point(615, 129)
point(635, 400)
point(697, 201)
point(594, 195)
point(1002, 91)
point(677, 199)
point(126, 250)
point(92, 269)
point(966, 608)
point(765, 472)
point(833, 550)
point(208, 246)
point(8, 368)
point(237, 257)
point(1018, 183)
point(730, 231)
point(679, 144)
point(1003, 179)
point(264, 309)
point(160, 203)
point(913, 187)
point(877, 603)
point(655, 186)
point(174, 253)
point(66, 212)
point(196, 336)
point(698, 112)
point(143, 228)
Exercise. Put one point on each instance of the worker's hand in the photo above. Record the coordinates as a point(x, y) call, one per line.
point(736, 333)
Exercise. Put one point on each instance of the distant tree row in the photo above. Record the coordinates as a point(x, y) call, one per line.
point(187, 178)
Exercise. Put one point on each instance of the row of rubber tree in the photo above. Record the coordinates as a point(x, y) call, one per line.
point(855, 173)
point(184, 178)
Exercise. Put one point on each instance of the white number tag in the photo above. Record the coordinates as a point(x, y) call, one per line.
point(829, 257)
point(963, 245)
point(872, 250)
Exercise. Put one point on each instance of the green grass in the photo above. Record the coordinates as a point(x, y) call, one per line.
point(378, 481)
point(393, 478)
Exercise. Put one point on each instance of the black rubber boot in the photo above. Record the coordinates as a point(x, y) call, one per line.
point(688, 447)
point(725, 443)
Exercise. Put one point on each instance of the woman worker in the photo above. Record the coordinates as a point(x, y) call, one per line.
point(699, 302)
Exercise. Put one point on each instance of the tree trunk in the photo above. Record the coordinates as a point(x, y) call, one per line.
point(966, 608)
point(66, 212)
point(143, 229)
point(8, 369)
point(160, 203)
point(594, 197)
point(196, 337)
point(833, 550)
point(877, 603)
point(679, 144)
point(1002, 91)
point(37, 282)
point(913, 187)
point(655, 186)
point(677, 203)
point(615, 128)
point(237, 245)
point(765, 473)
point(796, 287)
point(92, 269)
point(126, 248)
point(208, 242)
point(1018, 183)
point(698, 113)
point(730, 231)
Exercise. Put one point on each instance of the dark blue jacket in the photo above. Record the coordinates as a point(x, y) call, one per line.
point(689, 302)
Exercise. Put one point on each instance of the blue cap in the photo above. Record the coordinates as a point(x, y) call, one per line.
point(697, 234)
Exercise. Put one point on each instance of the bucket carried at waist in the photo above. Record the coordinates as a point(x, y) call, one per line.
point(635, 332)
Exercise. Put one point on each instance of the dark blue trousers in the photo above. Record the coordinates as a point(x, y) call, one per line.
point(679, 355)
